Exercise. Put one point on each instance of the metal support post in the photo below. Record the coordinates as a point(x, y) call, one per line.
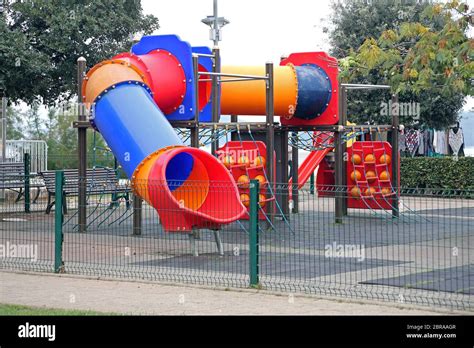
point(82, 148)
point(58, 223)
point(27, 164)
point(253, 237)
point(137, 215)
point(294, 172)
point(216, 68)
point(395, 160)
point(270, 139)
point(195, 129)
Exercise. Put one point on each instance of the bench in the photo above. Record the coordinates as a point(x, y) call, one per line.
point(99, 181)
point(12, 177)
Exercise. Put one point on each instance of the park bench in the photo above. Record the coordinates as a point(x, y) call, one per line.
point(12, 177)
point(99, 181)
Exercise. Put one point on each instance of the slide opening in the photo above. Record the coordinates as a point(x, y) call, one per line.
point(188, 180)
point(189, 173)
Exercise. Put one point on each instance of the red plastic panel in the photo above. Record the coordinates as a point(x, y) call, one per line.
point(370, 187)
point(165, 76)
point(325, 180)
point(236, 151)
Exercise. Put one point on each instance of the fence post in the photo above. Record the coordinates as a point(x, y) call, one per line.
point(311, 184)
point(137, 215)
point(395, 160)
point(26, 162)
point(253, 238)
point(58, 223)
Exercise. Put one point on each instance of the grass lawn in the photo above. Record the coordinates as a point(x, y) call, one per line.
point(7, 309)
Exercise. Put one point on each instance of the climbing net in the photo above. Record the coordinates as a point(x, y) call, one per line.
point(311, 141)
point(207, 136)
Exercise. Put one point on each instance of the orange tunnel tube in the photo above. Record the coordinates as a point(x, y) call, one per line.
point(248, 97)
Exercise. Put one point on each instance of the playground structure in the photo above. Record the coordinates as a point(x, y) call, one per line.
point(137, 99)
point(406, 256)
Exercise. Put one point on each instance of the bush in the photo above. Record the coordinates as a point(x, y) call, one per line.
point(432, 172)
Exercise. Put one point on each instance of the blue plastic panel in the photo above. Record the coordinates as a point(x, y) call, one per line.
point(313, 91)
point(182, 51)
point(132, 124)
point(178, 170)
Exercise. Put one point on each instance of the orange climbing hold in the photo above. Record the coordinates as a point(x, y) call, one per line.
point(356, 175)
point(385, 159)
point(228, 161)
point(356, 159)
point(261, 180)
point(243, 181)
point(261, 200)
point(369, 191)
point(245, 199)
point(370, 176)
point(259, 161)
point(384, 175)
point(355, 192)
point(370, 158)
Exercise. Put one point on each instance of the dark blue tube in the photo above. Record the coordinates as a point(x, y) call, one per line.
point(178, 170)
point(132, 125)
point(314, 91)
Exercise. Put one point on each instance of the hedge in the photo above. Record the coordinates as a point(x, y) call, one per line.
point(436, 172)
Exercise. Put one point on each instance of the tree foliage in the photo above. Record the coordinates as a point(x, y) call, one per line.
point(425, 60)
point(353, 21)
point(40, 41)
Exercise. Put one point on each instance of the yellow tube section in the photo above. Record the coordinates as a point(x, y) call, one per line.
point(106, 74)
point(248, 97)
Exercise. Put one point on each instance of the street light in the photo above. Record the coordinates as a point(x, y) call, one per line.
point(216, 23)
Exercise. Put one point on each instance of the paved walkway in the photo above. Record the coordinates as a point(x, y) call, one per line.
point(74, 292)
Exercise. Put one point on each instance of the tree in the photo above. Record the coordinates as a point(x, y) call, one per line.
point(357, 26)
point(40, 41)
point(353, 21)
point(35, 125)
point(14, 124)
point(61, 139)
point(423, 61)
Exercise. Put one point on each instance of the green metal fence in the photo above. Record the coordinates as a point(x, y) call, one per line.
point(423, 256)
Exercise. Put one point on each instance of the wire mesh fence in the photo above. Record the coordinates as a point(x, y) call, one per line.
point(116, 244)
point(424, 255)
point(26, 233)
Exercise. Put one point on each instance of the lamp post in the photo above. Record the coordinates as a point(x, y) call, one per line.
point(215, 23)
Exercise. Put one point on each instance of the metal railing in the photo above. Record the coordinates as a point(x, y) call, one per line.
point(423, 256)
point(37, 149)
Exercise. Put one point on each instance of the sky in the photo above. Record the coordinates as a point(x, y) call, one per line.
point(259, 30)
